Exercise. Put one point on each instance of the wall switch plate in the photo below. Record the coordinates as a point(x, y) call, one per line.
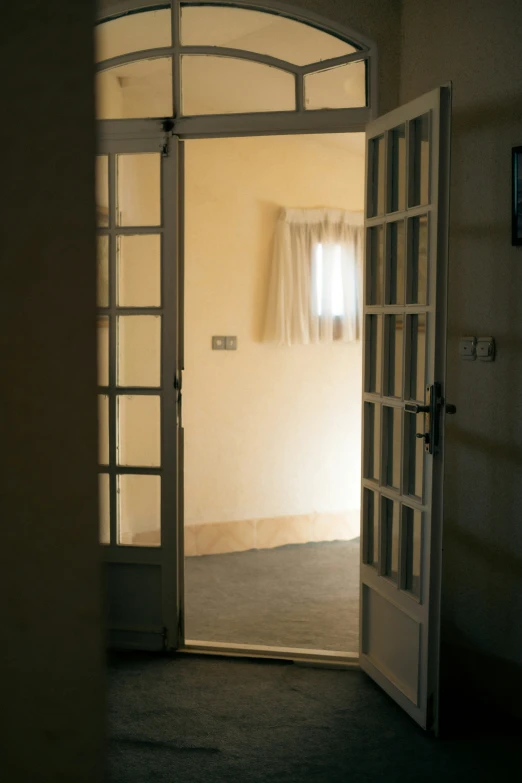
point(485, 349)
point(219, 343)
point(231, 343)
point(467, 348)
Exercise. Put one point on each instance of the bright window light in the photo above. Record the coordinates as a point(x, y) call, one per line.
point(327, 280)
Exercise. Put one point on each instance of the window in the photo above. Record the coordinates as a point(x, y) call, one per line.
point(313, 289)
point(327, 280)
point(190, 59)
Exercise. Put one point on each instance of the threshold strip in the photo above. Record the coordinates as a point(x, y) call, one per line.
point(299, 655)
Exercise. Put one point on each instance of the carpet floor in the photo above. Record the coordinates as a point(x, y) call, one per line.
point(198, 719)
point(304, 596)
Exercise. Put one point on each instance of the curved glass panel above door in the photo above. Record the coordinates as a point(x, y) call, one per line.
point(190, 59)
point(133, 33)
point(228, 85)
point(343, 87)
point(260, 32)
point(138, 89)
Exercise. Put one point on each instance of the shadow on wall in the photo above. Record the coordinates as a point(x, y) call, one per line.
point(482, 566)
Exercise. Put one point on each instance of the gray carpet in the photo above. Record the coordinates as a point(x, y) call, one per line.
point(198, 719)
point(304, 596)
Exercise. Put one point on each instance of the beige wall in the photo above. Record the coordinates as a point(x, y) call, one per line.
point(476, 45)
point(51, 652)
point(269, 431)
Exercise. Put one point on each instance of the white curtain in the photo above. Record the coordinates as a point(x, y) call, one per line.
point(315, 279)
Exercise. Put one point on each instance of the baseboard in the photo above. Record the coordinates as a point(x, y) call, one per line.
point(213, 538)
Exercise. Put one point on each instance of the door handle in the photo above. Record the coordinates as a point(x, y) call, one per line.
point(431, 411)
point(412, 407)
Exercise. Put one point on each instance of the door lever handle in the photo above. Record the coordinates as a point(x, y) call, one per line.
point(432, 413)
point(413, 407)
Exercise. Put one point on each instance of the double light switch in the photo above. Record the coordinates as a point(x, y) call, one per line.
point(482, 348)
point(223, 343)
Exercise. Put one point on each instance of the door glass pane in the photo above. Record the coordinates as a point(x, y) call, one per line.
point(412, 534)
point(418, 260)
point(414, 454)
point(416, 353)
point(397, 169)
point(373, 364)
point(256, 31)
point(419, 160)
point(139, 270)
point(390, 538)
point(392, 446)
point(104, 508)
point(376, 177)
point(374, 269)
point(139, 350)
point(343, 87)
point(139, 435)
point(102, 328)
point(227, 85)
point(370, 528)
point(393, 340)
point(102, 190)
point(395, 266)
point(372, 440)
point(139, 510)
point(102, 271)
point(139, 189)
point(103, 429)
point(132, 33)
point(139, 89)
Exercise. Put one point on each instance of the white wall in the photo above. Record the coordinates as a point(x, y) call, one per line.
point(477, 46)
point(269, 431)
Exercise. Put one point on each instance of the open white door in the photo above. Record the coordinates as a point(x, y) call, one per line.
point(404, 370)
point(136, 184)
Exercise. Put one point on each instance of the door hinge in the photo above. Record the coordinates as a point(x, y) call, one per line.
point(167, 126)
point(430, 712)
point(181, 625)
point(178, 384)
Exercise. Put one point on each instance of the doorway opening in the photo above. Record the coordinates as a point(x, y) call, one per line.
point(188, 71)
point(272, 390)
point(171, 76)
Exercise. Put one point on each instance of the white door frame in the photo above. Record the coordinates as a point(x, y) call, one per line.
point(220, 126)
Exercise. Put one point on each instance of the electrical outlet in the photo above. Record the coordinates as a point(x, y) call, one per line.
point(231, 343)
point(219, 343)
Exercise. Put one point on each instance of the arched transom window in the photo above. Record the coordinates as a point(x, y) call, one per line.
point(205, 59)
